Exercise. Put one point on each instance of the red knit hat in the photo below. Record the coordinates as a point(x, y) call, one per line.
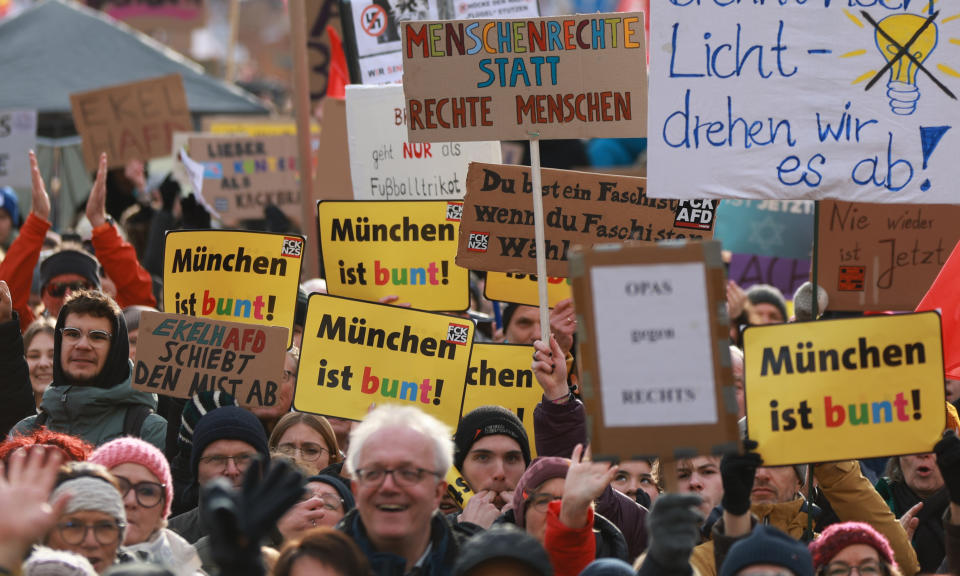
point(137, 451)
point(838, 536)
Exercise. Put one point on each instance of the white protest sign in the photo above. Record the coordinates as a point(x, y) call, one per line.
point(376, 30)
point(853, 100)
point(385, 166)
point(18, 135)
point(469, 9)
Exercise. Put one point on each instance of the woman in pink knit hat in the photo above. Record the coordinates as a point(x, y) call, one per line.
point(147, 490)
point(843, 547)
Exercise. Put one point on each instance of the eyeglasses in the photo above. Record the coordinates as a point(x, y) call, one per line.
point(329, 501)
point(241, 461)
point(95, 337)
point(148, 494)
point(407, 476)
point(868, 568)
point(105, 533)
point(308, 451)
point(58, 289)
point(540, 502)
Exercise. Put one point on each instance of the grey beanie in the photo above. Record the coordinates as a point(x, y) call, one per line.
point(91, 493)
point(49, 562)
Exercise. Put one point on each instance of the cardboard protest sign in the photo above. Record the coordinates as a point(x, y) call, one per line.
point(18, 135)
point(883, 257)
point(385, 166)
point(181, 356)
point(500, 375)
point(564, 77)
point(406, 249)
point(848, 100)
point(579, 208)
point(522, 288)
point(786, 274)
point(246, 277)
point(134, 121)
point(320, 15)
point(333, 170)
point(844, 389)
point(656, 369)
point(471, 9)
point(256, 126)
point(242, 175)
point(357, 353)
point(774, 228)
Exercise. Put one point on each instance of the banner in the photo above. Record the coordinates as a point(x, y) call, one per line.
point(356, 354)
point(258, 126)
point(564, 77)
point(500, 375)
point(844, 389)
point(385, 166)
point(181, 356)
point(470, 9)
point(883, 257)
point(522, 288)
point(848, 100)
point(243, 175)
point(579, 208)
point(786, 274)
point(134, 121)
point(405, 249)
point(18, 135)
point(773, 228)
point(246, 277)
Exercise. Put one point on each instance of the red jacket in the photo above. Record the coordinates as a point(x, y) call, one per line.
point(570, 549)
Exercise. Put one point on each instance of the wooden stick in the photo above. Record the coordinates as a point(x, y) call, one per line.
point(538, 225)
point(303, 107)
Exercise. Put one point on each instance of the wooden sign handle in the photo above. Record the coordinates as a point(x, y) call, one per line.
point(537, 194)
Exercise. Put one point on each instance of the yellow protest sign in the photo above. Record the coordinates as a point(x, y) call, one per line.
point(500, 375)
point(374, 249)
point(246, 277)
point(844, 389)
point(522, 288)
point(253, 126)
point(457, 487)
point(357, 353)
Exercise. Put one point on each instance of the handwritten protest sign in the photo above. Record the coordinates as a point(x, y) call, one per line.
point(242, 175)
point(134, 121)
point(385, 166)
point(883, 257)
point(320, 15)
point(18, 135)
point(786, 274)
point(774, 228)
point(471, 9)
point(256, 126)
point(181, 356)
point(356, 354)
point(655, 311)
point(848, 100)
point(579, 208)
point(372, 36)
point(246, 277)
point(844, 389)
point(382, 248)
point(333, 170)
point(500, 375)
point(563, 77)
point(522, 288)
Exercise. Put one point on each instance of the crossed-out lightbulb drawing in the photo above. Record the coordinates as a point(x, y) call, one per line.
point(902, 87)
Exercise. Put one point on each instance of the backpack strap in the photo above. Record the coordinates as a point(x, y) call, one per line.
point(134, 418)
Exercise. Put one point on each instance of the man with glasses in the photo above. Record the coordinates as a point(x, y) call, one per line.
point(90, 396)
point(398, 459)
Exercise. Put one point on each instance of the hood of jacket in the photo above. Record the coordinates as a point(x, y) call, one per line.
point(117, 368)
point(84, 407)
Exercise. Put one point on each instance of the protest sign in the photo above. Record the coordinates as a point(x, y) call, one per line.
point(522, 288)
point(18, 135)
point(883, 257)
point(774, 228)
point(844, 389)
point(134, 121)
point(181, 356)
point(872, 100)
point(256, 126)
point(457, 487)
point(246, 277)
point(471, 9)
point(579, 208)
point(786, 274)
point(357, 353)
point(656, 368)
point(500, 375)
point(562, 77)
point(320, 15)
point(333, 171)
point(242, 175)
point(406, 249)
point(385, 166)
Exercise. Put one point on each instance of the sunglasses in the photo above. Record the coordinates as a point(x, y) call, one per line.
point(58, 289)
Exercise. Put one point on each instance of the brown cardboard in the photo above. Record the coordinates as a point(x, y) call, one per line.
point(579, 209)
point(320, 14)
point(180, 356)
point(134, 121)
point(515, 87)
point(333, 170)
point(883, 256)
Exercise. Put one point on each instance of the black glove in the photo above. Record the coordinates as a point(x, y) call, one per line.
point(169, 192)
point(195, 216)
point(277, 221)
point(948, 460)
point(238, 521)
point(643, 498)
point(674, 526)
point(737, 472)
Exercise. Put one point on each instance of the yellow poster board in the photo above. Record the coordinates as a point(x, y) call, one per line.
point(356, 354)
point(246, 277)
point(457, 487)
point(522, 288)
point(844, 389)
point(500, 375)
point(373, 249)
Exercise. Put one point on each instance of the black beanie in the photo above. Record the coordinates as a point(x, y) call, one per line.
point(228, 423)
point(70, 262)
point(488, 421)
point(340, 485)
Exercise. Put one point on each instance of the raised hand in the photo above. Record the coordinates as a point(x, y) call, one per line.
point(563, 323)
point(586, 481)
point(550, 368)
point(41, 201)
point(97, 202)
